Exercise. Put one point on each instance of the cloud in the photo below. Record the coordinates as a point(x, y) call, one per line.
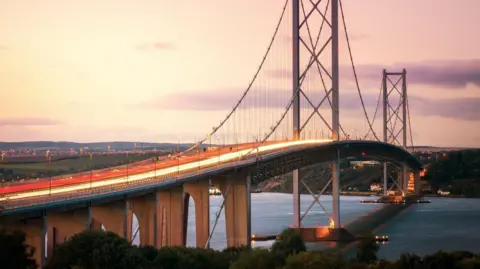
point(200, 100)
point(457, 108)
point(446, 73)
point(27, 122)
point(153, 46)
point(454, 74)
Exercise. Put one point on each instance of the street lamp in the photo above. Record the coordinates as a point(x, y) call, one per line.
point(91, 170)
point(155, 165)
point(128, 161)
point(50, 175)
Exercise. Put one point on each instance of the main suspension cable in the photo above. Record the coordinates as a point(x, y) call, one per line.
point(215, 129)
point(355, 72)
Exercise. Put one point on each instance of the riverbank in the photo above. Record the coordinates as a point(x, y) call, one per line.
point(446, 196)
point(342, 193)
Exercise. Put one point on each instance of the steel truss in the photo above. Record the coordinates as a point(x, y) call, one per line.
point(313, 48)
point(393, 114)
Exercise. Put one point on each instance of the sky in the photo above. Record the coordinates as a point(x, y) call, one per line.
point(158, 70)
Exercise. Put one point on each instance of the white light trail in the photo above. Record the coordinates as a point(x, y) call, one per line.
point(160, 172)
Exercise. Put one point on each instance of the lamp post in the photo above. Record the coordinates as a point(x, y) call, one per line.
point(128, 161)
point(49, 158)
point(91, 170)
point(155, 165)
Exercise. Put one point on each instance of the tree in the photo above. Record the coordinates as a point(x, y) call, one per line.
point(367, 249)
point(14, 252)
point(408, 261)
point(191, 258)
point(96, 250)
point(314, 260)
point(255, 259)
point(290, 242)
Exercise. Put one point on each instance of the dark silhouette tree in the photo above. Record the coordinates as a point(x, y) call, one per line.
point(314, 260)
point(14, 252)
point(96, 250)
point(290, 242)
point(408, 261)
point(255, 259)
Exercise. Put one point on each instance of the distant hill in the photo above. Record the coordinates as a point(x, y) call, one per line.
point(95, 146)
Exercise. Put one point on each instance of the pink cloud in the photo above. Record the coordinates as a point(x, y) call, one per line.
point(27, 122)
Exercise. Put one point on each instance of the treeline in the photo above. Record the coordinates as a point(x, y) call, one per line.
point(106, 250)
point(457, 172)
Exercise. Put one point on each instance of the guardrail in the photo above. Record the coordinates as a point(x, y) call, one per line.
point(128, 185)
point(142, 183)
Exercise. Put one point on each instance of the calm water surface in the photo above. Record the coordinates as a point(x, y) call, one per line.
point(446, 223)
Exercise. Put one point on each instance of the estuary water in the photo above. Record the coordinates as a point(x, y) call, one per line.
point(446, 223)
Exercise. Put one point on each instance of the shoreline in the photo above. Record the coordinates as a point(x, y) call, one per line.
point(374, 194)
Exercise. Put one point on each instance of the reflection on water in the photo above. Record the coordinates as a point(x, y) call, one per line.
point(447, 224)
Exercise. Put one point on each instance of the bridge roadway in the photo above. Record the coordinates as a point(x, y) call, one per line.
point(31, 196)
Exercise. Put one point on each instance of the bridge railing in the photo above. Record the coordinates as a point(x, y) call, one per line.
point(115, 188)
point(117, 168)
point(132, 184)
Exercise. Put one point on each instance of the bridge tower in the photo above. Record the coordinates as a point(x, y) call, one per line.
point(299, 7)
point(395, 99)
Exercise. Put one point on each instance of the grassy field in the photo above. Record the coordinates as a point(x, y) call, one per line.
point(65, 166)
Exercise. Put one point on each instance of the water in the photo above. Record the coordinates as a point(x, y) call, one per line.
point(447, 224)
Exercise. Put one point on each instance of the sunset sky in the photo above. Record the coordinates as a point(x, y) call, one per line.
point(103, 70)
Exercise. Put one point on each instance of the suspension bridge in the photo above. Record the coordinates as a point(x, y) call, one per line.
point(286, 120)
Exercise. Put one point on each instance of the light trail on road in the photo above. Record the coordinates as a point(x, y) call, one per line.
point(185, 167)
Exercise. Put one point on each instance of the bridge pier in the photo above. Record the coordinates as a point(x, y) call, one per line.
point(237, 209)
point(144, 208)
point(199, 191)
point(296, 198)
point(170, 225)
point(63, 225)
point(112, 217)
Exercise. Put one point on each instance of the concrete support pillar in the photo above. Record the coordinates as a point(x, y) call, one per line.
point(63, 225)
point(336, 192)
point(237, 210)
point(296, 198)
point(170, 218)
point(111, 216)
point(144, 208)
point(199, 191)
point(405, 179)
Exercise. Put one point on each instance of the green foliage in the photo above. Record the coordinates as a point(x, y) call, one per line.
point(255, 259)
point(105, 250)
point(70, 165)
point(314, 260)
point(96, 250)
point(458, 169)
point(14, 252)
point(290, 243)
